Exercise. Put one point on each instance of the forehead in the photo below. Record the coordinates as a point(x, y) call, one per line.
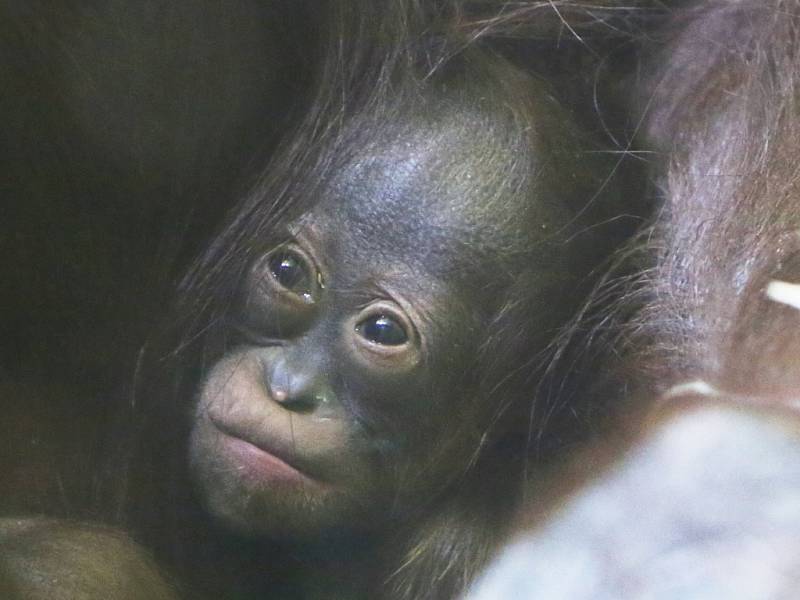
point(430, 196)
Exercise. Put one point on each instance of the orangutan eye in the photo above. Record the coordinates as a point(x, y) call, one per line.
point(292, 271)
point(382, 329)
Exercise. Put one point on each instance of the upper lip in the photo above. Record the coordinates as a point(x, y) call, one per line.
point(275, 449)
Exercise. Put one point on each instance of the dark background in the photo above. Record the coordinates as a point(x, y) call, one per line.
point(128, 130)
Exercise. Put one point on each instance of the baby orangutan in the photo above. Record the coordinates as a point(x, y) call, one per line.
point(348, 412)
point(375, 343)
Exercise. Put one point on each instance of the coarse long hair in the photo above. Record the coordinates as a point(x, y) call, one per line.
point(720, 102)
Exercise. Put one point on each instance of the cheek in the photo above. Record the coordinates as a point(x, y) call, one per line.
point(408, 404)
point(455, 423)
point(264, 470)
point(437, 428)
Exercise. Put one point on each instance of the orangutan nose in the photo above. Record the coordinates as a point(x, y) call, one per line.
point(298, 386)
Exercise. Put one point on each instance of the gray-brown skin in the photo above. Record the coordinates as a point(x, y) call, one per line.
point(428, 226)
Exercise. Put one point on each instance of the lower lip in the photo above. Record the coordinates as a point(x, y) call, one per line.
point(260, 464)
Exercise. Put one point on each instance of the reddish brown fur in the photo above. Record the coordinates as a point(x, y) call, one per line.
point(704, 502)
point(724, 104)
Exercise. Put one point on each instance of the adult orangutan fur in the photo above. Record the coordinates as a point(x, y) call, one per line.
point(722, 104)
point(716, 469)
